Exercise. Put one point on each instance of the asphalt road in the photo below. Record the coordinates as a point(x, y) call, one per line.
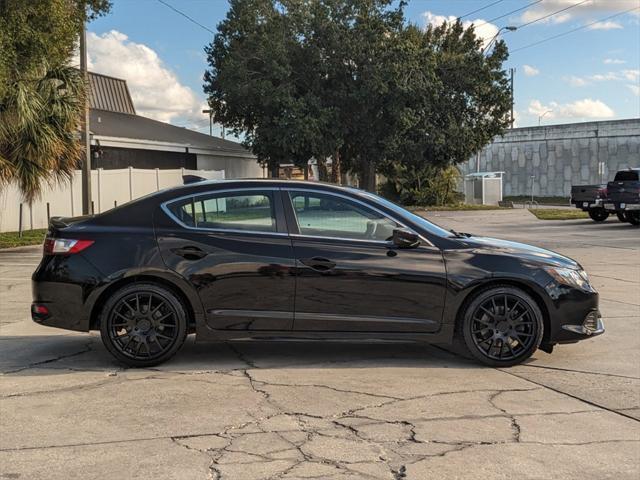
point(335, 411)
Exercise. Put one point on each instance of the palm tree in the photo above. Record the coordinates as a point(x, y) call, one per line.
point(39, 119)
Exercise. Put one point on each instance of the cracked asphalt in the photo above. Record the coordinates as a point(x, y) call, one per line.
point(332, 410)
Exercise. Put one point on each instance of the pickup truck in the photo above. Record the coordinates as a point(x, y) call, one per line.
point(623, 195)
point(590, 198)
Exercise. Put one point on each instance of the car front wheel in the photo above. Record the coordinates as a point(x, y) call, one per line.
point(143, 324)
point(502, 326)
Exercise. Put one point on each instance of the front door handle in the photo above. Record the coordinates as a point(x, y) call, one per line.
point(318, 264)
point(190, 252)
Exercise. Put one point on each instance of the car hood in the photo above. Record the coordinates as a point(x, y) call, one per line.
point(523, 251)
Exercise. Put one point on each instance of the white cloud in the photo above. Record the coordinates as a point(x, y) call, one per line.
point(587, 10)
point(580, 109)
point(576, 81)
point(486, 31)
point(604, 77)
point(608, 25)
point(635, 89)
point(155, 89)
point(530, 71)
point(613, 61)
point(629, 75)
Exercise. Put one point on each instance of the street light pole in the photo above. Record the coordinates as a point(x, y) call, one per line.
point(541, 116)
point(509, 28)
point(210, 112)
point(511, 72)
point(85, 131)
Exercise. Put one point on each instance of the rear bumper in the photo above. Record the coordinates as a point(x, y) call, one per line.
point(586, 205)
point(63, 303)
point(62, 285)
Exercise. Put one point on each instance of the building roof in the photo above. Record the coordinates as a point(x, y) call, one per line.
point(104, 123)
point(109, 93)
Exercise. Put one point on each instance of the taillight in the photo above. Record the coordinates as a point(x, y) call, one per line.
point(65, 246)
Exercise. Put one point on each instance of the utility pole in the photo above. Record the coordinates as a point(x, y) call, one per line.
point(209, 112)
point(85, 135)
point(511, 71)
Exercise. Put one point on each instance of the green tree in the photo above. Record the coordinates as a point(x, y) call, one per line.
point(351, 79)
point(292, 75)
point(41, 97)
point(457, 100)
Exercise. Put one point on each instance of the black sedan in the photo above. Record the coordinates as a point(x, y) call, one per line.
point(249, 259)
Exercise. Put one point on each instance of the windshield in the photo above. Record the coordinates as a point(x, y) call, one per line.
point(412, 217)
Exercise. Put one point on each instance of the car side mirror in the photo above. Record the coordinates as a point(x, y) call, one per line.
point(404, 238)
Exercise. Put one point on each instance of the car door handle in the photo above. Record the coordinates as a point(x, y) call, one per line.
point(318, 264)
point(190, 252)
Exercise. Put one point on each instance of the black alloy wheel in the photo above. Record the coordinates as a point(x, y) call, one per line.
point(622, 216)
point(598, 214)
point(143, 325)
point(633, 217)
point(502, 326)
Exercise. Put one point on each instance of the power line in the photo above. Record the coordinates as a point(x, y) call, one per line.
point(186, 16)
point(480, 9)
point(575, 29)
point(507, 14)
point(554, 13)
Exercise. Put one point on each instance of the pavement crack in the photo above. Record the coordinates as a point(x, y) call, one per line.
point(545, 367)
point(86, 349)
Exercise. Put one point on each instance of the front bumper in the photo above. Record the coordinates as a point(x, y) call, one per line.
point(592, 325)
point(625, 207)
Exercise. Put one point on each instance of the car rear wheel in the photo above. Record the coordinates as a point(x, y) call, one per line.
point(502, 326)
point(622, 216)
point(598, 214)
point(143, 324)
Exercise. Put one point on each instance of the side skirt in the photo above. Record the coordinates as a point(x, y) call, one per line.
point(443, 336)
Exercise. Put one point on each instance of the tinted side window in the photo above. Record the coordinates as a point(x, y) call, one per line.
point(325, 215)
point(626, 176)
point(228, 211)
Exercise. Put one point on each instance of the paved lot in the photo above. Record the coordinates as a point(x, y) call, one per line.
point(338, 411)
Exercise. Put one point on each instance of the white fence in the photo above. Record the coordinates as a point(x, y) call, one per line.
point(108, 189)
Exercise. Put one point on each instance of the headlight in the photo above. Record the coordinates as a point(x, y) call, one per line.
point(572, 278)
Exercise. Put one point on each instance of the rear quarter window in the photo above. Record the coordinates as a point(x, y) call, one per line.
point(249, 211)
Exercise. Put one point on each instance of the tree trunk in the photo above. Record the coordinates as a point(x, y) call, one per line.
point(274, 169)
point(368, 177)
point(323, 174)
point(336, 170)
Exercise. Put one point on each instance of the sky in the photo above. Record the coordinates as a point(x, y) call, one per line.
point(587, 75)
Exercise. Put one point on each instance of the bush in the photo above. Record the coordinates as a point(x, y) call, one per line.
point(424, 185)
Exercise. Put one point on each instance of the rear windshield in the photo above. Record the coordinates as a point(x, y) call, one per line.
point(626, 176)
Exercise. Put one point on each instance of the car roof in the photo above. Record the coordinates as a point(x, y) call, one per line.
point(206, 185)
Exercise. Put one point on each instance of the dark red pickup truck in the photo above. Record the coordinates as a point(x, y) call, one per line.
point(623, 195)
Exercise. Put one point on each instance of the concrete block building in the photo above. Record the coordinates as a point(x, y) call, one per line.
point(552, 158)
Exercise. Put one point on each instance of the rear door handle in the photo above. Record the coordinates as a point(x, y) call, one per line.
point(318, 264)
point(190, 252)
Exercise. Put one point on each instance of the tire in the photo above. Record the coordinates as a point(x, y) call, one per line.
point(517, 330)
point(622, 216)
point(143, 324)
point(598, 214)
point(633, 217)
